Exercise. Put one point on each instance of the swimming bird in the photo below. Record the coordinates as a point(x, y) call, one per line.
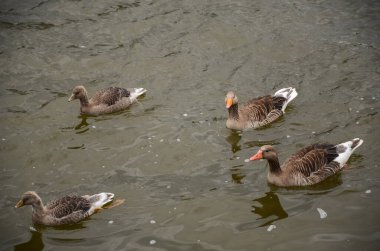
point(66, 210)
point(108, 100)
point(257, 112)
point(310, 165)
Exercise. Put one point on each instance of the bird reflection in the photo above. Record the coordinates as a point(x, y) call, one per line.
point(82, 126)
point(234, 139)
point(236, 174)
point(271, 209)
point(35, 243)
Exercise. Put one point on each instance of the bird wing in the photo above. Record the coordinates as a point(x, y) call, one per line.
point(310, 159)
point(67, 205)
point(265, 108)
point(109, 96)
point(324, 172)
point(257, 109)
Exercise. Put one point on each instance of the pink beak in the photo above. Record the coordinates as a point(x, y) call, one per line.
point(258, 155)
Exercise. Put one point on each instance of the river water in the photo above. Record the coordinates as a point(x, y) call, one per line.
point(182, 173)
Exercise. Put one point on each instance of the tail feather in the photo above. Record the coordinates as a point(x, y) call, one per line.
point(99, 200)
point(136, 92)
point(288, 93)
point(345, 150)
point(356, 143)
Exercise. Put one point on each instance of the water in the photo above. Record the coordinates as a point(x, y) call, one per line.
point(187, 173)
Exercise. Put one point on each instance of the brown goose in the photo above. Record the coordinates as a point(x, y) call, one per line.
point(257, 112)
point(67, 210)
point(310, 165)
point(108, 100)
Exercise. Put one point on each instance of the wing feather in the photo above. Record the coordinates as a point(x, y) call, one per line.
point(322, 174)
point(312, 164)
point(109, 96)
point(67, 205)
point(259, 108)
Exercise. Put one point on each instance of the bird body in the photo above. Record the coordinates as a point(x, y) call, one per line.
point(66, 210)
point(310, 165)
point(108, 100)
point(257, 112)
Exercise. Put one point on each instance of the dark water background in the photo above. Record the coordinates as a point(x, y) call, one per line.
point(183, 174)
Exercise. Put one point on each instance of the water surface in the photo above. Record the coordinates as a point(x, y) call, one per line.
point(183, 174)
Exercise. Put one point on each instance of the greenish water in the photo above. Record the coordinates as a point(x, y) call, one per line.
point(182, 173)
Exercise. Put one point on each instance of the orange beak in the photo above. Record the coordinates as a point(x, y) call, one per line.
point(228, 103)
point(258, 155)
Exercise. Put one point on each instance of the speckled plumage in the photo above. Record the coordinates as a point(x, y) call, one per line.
point(257, 112)
point(310, 165)
point(110, 95)
point(108, 100)
point(66, 210)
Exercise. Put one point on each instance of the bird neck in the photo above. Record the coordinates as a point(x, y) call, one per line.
point(84, 100)
point(38, 207)
point(233, 111)
point(274, 165)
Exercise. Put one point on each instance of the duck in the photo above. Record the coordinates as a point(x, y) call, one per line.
point(69, 209)
point(107, 100)
point(257, 112)
point(310, 165)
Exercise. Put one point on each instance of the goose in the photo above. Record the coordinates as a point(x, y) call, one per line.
point(257, 112)
point(108, 100)
point(69, 209)
point(310, 165)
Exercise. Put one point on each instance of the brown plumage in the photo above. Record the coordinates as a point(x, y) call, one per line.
point(310, 165)
point(67, 210)
point(257, 112)
point(108, 100)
